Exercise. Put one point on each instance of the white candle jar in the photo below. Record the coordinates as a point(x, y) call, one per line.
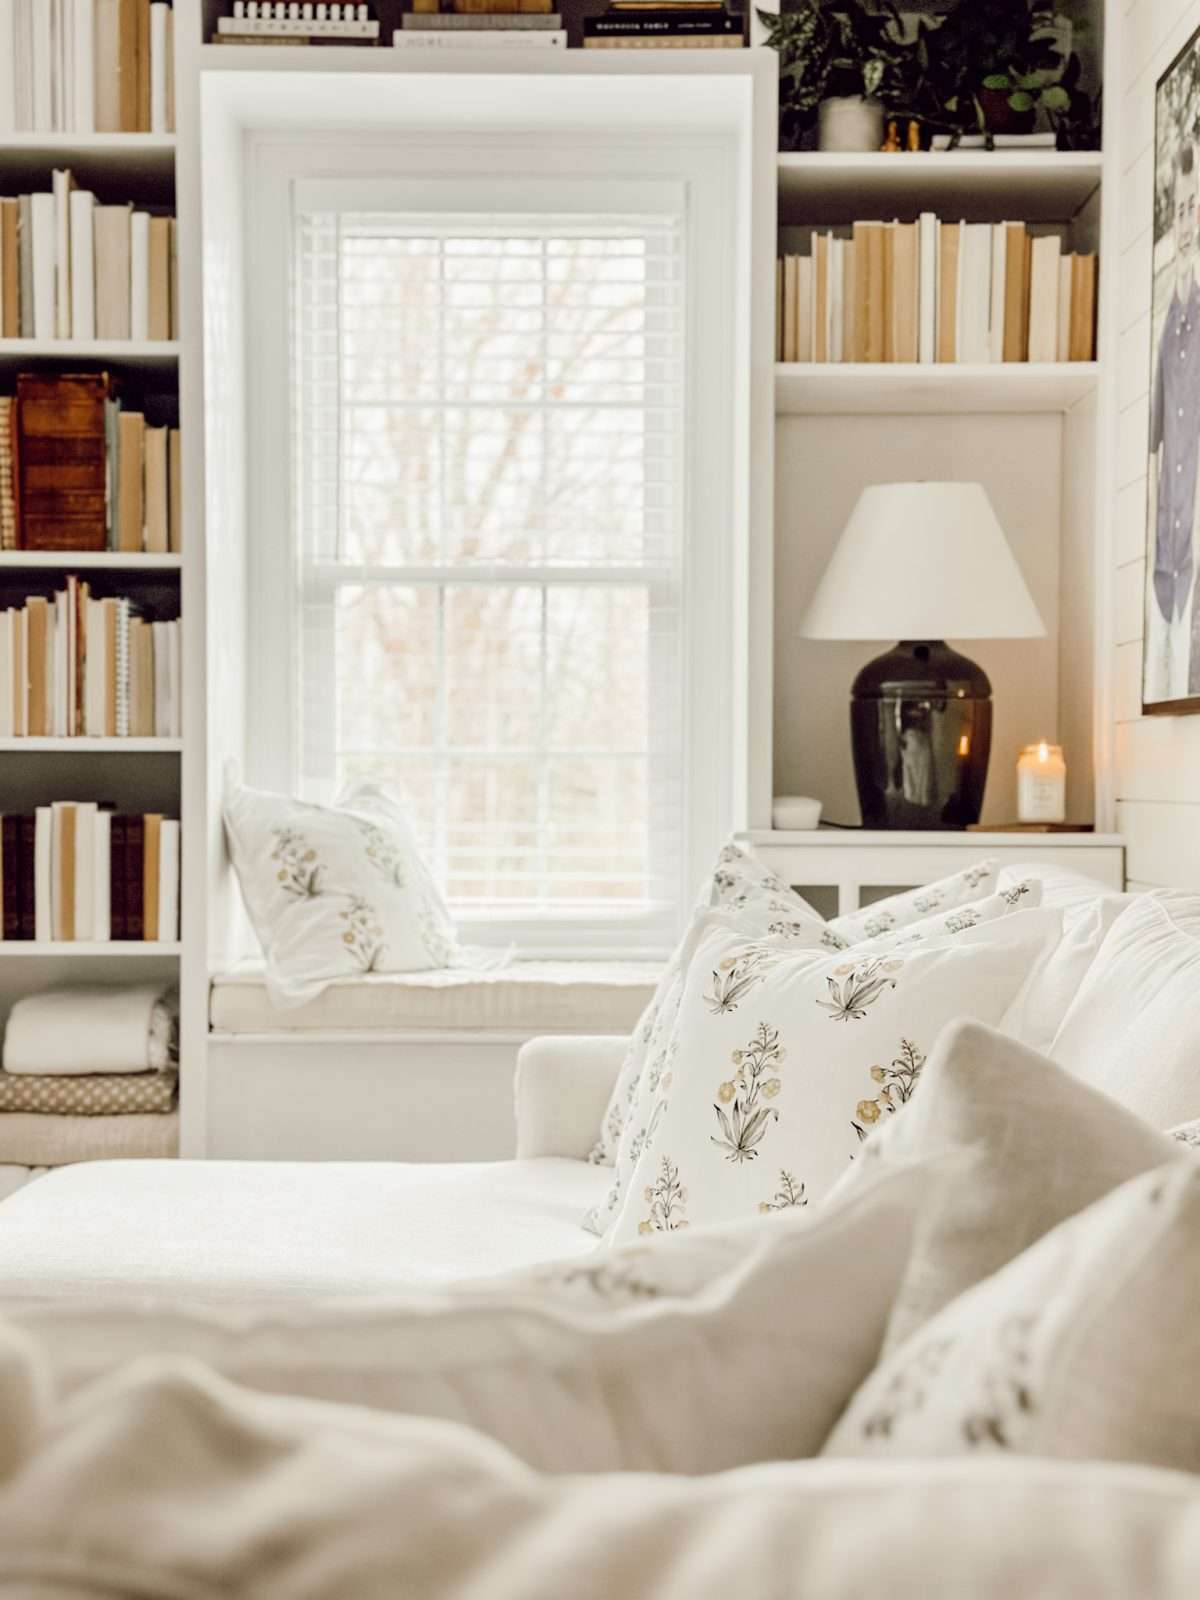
point(1042, 784)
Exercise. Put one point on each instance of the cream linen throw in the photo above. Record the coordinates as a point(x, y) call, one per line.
point(166, 1481)
point(92, 1030)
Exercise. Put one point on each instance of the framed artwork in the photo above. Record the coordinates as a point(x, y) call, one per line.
point(1171, 636)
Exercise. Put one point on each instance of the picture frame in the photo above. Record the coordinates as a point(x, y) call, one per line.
point(1171, 632)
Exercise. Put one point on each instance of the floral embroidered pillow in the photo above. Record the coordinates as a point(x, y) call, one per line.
point(334, 891)
point(1024, 895)
point(781, 1062)
point(741, 887)
point(1082, 1348)
point(899, 910)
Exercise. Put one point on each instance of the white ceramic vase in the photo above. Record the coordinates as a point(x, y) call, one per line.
point(849, 122)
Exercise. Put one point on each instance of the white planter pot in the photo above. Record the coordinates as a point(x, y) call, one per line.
point(850, 123)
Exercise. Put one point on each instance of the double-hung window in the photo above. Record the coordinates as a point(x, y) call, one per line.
point(488, 429)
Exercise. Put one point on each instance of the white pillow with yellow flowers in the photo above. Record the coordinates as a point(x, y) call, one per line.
point(783, 1060)
point(334, 891)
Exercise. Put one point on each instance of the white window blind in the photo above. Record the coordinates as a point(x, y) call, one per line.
point(488, 430)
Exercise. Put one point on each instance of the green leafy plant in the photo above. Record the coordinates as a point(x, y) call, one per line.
point(827, 51)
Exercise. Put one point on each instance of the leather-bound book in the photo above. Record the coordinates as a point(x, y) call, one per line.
point(116, 878)
point(134, 848)
point(10, 864)
point(28, 879)
point(61, 460)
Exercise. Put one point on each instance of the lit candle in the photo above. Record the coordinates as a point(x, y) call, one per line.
point(1042, 784)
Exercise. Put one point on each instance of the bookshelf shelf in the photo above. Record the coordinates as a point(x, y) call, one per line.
point(971, 185)
point(141, 164)
point(71, 560)
point(883, 389)
point(119, 352)
point(82, 947)
point(82, 747)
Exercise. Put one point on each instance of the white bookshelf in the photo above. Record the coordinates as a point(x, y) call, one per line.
point(117, 166)
point(901, 389)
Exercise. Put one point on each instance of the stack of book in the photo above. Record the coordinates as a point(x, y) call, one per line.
point(79, 472)
point(930, 291)
point(471, 24)
point(72, 269)
point(289, 22)
point(86, 66)
point(73, 666)
point(75, 871)
point(659, 24)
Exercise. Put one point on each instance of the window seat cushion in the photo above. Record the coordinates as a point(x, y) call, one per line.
point(526, 996)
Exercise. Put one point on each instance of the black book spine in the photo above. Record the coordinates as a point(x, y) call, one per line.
point(28, 877)
point(116, 879)
point(10, 864)
point(135, 830)
point(665, 24)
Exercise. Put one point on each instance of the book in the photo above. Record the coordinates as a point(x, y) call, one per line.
point(156, 539)
point(662, 21)
point(159, 74)
point(112, 231)
point(83, 265)
point(974, 293)
point(151, 835)
point(84, 886)
point(820, 319)
point(449, 39)
point(168, 880)
point(512, 7)
point(480, 21)
point(62, 461)
point(10, 867)
point(43, 281)
point(107, 78)
point(62, 183)
point(927, 228)
point(661, 42)
point(10, 269)
point(1082, 341)
point(139, 275)
point(949, 239)
point(101, 879)
point(1043, 297)
point(37, 642)
point(37, 907)
point(905, 291)
point(131, 516)
point(1016, 292)
point(62, 870)
point(174, 491)
point(159, 278)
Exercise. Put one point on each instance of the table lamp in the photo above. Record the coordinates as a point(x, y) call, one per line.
point(921, 561)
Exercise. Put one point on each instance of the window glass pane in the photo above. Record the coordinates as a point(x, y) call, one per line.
point(386, 667)
point(596, 830)
point(597, 668)
point(493, 671)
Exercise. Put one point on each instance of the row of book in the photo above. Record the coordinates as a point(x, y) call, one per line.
point(521, 24)
point(664, 24)
point(934, 291)
point(76, 667)
point(75, 870)
point(86, 66)
point(80, 472)
point(72, 269)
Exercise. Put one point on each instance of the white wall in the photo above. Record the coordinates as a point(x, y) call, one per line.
point(1156, 759)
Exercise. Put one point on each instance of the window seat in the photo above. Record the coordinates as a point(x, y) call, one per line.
point(525, 997)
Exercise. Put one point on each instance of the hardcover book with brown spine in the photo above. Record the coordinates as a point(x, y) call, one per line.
point(132, 427)
point(949, 238)
point(159, 325)
point(1082, 343)
point(1016, 292)
point(820, 250)
point(904, 285)
point(157, 500)
point(37, 623)
point(61, 461)
point(10, 269)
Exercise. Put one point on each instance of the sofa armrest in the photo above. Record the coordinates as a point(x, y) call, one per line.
point(562, 1089)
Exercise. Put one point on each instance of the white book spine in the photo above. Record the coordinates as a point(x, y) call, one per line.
point(42, 212)
point(23, 63)
point(83, 265)
point(85, 870)
point(999, 280)
point(927, 243)
point(159, 14)
point(62, 254)
point(162, 680)
point(102, 878)
point(62, 665)
point(139, 275)
point(518, 39)
point(85, 75)
point(837, 291)
point(176, 648)
point(39, 18)
point(95, 670)
point(43, 887)
point(8, 67)
point(168, 880)
point(56, 857)
point(1043, 296)
point(123, 669)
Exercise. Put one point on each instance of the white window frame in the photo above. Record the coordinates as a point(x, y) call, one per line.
point(715, 516)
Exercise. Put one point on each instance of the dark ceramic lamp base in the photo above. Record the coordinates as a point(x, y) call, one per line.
point(921, 723)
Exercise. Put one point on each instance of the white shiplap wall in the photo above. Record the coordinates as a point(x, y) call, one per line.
point(1156, 759)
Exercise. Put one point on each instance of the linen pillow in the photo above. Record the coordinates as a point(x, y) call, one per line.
point(1023, 895)
point(1084, 1347)
point(898, 910)
point(692, 1353)
point(1045, 1147)
point(1133, 1029)
point(782, 1061)
point(334, 890)
point(760, 901)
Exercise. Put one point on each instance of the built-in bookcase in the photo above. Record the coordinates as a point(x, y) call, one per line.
point(135, 774)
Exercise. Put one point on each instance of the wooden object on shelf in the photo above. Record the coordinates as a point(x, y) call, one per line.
point(61, 460)
point(1032, 827)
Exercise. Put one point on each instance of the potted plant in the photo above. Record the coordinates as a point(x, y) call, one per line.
point(840, 65)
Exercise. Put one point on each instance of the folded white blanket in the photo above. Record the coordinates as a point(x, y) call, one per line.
point(86, 1030)
point(33, 1139)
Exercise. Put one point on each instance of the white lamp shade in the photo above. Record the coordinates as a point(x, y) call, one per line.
point(923, 561)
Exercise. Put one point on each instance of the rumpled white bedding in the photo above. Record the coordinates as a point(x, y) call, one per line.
point(168, 1482)
point(86, 1030)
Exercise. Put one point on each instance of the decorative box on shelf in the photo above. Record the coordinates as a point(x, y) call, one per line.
point(845, 868)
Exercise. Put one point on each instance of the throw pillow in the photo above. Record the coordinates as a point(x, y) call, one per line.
point(1133, 1029)
point(898, 910)
point(744, 889)
point(1045, 1146)
point(333, 891)
point(783, 1061)
point(689, 1354)
point(1023, 895)
point(1083, 1347)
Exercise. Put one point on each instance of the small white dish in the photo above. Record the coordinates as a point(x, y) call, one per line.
point(795, 813)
